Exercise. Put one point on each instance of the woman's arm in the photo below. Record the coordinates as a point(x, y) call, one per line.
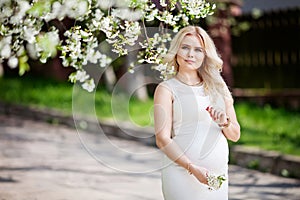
point(231, 132)
point(163, 111)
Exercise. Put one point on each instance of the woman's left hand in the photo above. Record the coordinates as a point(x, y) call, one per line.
point(219, 116)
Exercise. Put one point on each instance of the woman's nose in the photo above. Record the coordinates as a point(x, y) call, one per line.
point(190, 54)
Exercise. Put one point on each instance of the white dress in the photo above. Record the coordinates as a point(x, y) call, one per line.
point(202, 141)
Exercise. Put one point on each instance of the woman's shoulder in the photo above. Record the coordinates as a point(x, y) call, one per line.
point(165, 86)
point(163, 91)
point(169, 82)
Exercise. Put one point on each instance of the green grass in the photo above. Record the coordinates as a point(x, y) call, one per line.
point(36, 92)
point(46, 93)
point(269, 128)
point(264, 127)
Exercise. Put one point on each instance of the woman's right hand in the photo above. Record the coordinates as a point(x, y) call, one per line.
point(199, 173)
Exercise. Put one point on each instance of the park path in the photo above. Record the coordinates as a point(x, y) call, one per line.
point(40, 161)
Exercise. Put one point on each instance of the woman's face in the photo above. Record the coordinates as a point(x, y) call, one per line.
point(190, 53)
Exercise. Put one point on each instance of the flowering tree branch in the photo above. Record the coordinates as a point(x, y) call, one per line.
point(23, 34)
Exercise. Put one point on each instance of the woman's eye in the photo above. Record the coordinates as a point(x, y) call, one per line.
point(199, 50)
point(184, 47)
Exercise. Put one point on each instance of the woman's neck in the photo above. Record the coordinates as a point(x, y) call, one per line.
point(190, 76)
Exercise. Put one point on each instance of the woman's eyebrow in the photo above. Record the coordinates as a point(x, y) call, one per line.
point(185, 45)
point(190, 45)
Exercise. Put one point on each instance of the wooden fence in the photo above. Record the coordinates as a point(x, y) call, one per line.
point(267, 56)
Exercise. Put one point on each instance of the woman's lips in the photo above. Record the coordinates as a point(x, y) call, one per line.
point(189, 61)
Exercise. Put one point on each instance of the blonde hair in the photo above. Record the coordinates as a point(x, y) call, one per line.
point(210, 70)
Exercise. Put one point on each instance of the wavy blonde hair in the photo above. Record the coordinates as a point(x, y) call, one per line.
point(211, 68)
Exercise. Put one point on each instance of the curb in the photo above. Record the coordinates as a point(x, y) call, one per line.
point(249, 157)
point(122, 130)
point(266, 161)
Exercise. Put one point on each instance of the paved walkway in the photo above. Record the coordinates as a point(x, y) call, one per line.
point(39, 161)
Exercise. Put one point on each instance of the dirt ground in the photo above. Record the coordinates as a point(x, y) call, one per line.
point(39, 161)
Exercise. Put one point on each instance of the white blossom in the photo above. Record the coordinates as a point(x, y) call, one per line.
point(105, 4)
point(72, 8)
point(21, 51)
point(163, 3)
point(96, 20)
point(54, 37)
point(23, 6)
point(92, 56)
point(167, 17)
point(3, 2)
point(6, 51)
point(57, 12)
point(98, 14)
point(195, 6)
point(31, 50)
point(123, 3)
point(7, 12)
point(89, 85)
point(151, 16)
point(82, 8)
point(161, 67)
point(127, 14)
point(81, 76)
point(46, 45)
point(84, 34)
point(13, 62)
point(132, 30)
point(105, 26)
point(29, 34)
point(104, 60)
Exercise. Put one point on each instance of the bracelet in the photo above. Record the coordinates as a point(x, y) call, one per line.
point(189, 168)
point(225, 125)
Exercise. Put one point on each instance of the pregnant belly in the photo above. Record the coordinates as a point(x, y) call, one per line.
point(216, 159)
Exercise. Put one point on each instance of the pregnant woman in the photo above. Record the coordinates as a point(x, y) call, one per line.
point(194, 116)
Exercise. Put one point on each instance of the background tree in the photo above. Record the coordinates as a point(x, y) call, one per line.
point(220, 29)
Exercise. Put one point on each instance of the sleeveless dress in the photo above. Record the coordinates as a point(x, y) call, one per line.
point(202, 141)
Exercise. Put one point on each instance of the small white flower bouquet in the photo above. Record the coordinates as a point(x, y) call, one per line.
point(215, 182)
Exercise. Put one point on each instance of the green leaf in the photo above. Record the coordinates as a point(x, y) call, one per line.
point(23, 65)
point(40, 7)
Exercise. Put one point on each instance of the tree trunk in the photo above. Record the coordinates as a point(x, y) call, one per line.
point(109, 78)
point(220, 32)
point(137, 83)
point(1, 70)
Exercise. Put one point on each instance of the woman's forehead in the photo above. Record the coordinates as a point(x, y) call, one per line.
point(191, 40)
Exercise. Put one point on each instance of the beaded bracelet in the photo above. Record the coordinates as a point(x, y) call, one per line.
point(189, 168)
point(225, 125)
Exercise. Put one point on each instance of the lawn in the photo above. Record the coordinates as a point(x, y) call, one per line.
point(265, 127)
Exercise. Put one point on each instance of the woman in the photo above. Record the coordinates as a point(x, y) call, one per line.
point(194, 116)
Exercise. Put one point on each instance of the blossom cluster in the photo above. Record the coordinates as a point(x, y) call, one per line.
point(175, 14)
point(26, 31)
point(154, 48)
point(215, 182)
point(179, 13)
point(80, 48)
